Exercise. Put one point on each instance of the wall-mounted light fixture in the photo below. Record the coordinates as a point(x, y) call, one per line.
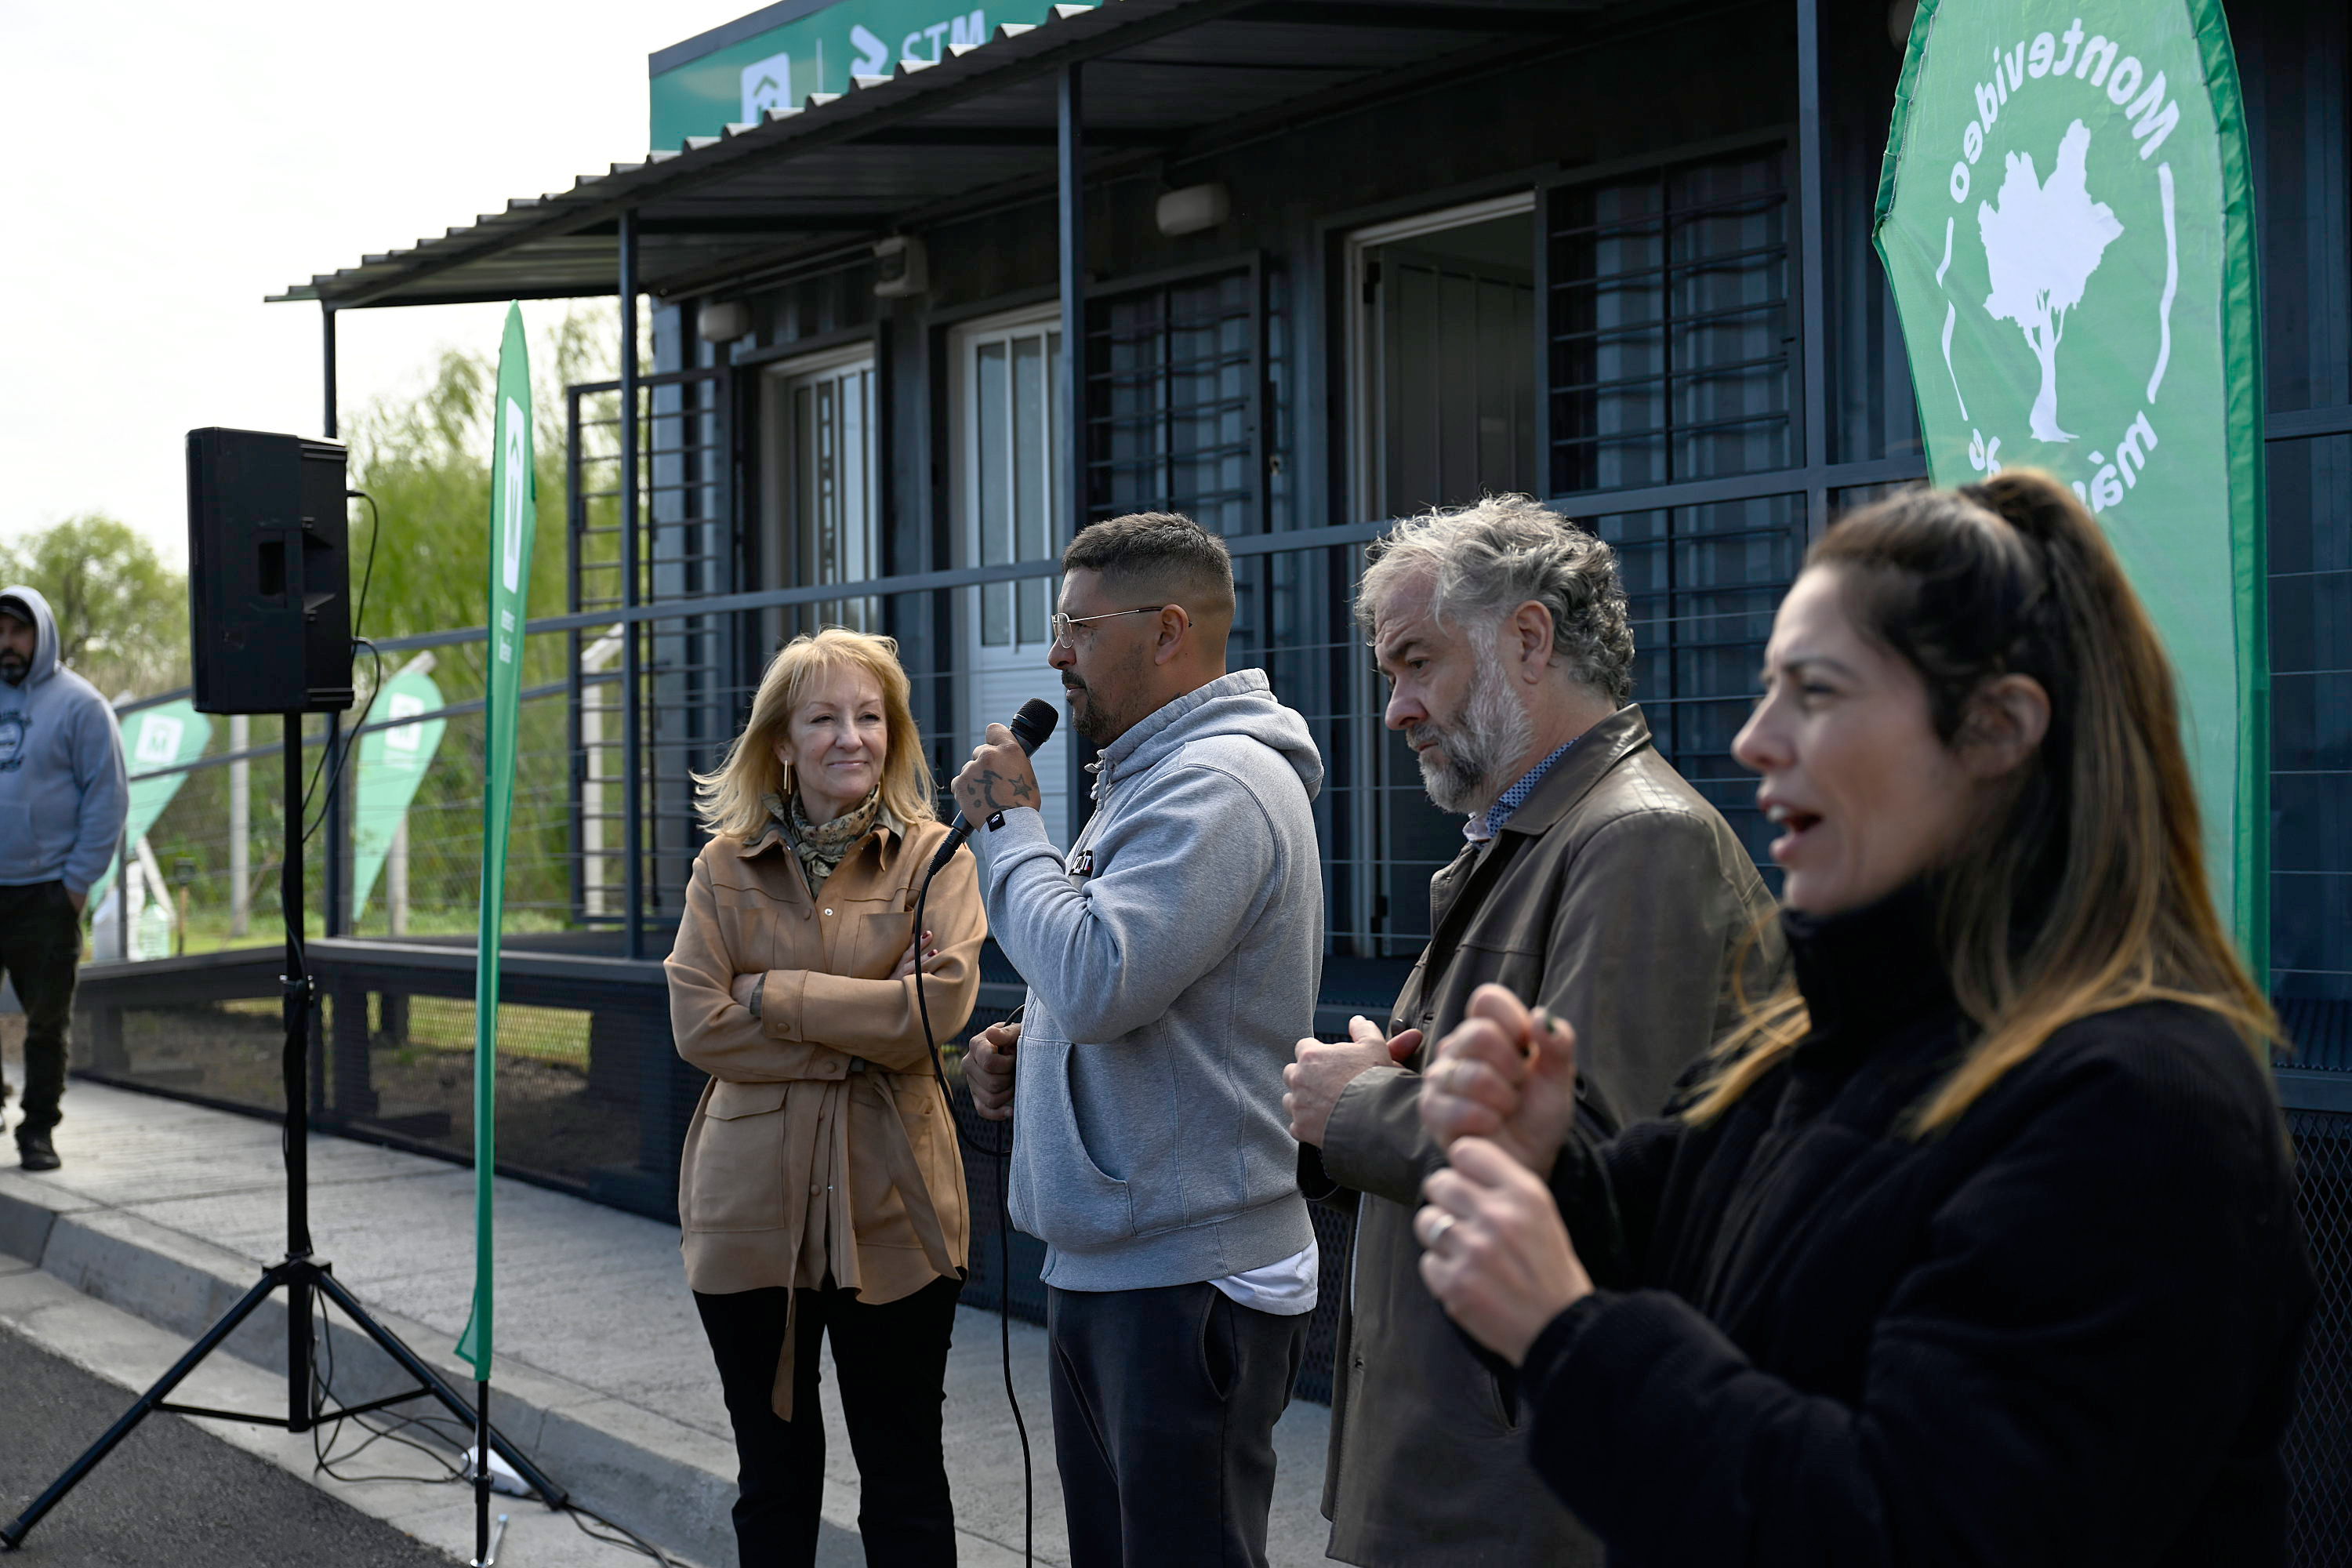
point(723, 322)
point(901, 270)
point(1193, 209)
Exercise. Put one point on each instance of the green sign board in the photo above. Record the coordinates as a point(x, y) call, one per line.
point(170, 735)
point(391, 764)
point(2066, 215)
point(775, 58)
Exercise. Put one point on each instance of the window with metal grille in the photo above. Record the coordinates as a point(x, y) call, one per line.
point(688, 674)
point(1669, 327)
point(1172, 402)
point(1701, 585)
point(2311, 741)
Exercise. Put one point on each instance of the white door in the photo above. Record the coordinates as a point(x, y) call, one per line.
point(1009, 497)
point(823, 520)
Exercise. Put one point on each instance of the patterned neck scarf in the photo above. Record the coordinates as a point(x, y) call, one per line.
point(824, 847)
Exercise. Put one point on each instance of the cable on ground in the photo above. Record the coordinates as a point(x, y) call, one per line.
point(325, 1433)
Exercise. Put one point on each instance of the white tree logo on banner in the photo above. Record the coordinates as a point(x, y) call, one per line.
point(2042, 244)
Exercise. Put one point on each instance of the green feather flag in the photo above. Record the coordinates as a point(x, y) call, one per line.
point(514, 510)
point(2066, 215)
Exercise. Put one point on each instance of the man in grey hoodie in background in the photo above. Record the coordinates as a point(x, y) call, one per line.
point(62, 800)
point(1173, 958)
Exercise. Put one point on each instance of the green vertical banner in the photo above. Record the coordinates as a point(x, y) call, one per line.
point(2066, 215)
point(392, 763)
point(513, 516)
point(165, 736)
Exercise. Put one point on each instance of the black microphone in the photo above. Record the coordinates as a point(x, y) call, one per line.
point(1032, 728)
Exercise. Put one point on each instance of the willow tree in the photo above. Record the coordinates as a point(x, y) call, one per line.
point(423, 463)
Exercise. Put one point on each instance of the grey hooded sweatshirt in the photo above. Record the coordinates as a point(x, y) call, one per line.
point(62, 791)
point(1173, 961)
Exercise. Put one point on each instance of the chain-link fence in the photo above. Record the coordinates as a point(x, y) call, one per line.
point(2319, 1445)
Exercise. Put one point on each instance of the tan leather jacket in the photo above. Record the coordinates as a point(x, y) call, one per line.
point(821, 1147)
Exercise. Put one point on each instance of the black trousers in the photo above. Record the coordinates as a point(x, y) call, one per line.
point(1164, 1406)
point(893, 1361)
point(40, 948)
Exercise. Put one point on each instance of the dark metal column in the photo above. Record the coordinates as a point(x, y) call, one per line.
point(1814, 246)
point(331, 780)
point(296, 1068)
point(1073, 390)
point(1072, 394)
point(299, 999)
point(327, 340)
point(633, 831)
point(338, 914)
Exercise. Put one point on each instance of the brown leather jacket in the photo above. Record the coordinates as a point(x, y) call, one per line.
point(1619, 898)
point(821, 1146)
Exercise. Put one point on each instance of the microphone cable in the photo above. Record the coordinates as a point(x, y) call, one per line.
point(1000, 1157)
point(1031, 728)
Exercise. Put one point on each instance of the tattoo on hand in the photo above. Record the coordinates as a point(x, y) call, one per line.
point(998, 793)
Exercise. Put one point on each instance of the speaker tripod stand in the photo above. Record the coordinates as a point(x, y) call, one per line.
point(302, 1276)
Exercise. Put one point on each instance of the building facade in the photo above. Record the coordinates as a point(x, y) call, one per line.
point(1297, 268)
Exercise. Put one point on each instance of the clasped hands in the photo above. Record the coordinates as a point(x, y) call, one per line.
point(1312, 1085)
point(1500, 1099)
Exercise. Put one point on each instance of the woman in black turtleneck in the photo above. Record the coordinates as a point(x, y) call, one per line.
point(1978, 1244)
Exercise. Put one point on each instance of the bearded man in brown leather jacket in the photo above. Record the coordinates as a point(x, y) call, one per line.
point(1596, 883)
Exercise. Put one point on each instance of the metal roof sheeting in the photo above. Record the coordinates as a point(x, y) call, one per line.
point(855, 164)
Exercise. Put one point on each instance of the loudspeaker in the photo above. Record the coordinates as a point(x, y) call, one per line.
point(269, 576)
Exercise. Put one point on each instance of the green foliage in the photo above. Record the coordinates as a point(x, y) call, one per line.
point(425, 463)
point(122, 615)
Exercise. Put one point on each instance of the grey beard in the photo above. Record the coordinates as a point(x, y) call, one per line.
point(1492, 731)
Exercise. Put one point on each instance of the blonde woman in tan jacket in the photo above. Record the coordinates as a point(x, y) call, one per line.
point(822, 1192)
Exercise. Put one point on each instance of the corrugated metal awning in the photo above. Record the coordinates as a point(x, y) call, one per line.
point(1162, 77)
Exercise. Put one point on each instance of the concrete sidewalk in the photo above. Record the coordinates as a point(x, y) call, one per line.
point(166, 1211)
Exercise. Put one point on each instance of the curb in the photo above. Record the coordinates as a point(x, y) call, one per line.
point(667, 1481)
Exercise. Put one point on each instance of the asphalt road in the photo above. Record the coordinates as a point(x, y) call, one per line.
point(173, 1493)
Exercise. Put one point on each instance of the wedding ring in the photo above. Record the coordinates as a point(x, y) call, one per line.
point(1437, 1232)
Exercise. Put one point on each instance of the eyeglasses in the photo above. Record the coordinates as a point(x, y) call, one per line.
point(1063, 625)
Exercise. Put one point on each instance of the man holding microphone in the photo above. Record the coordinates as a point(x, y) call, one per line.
point(1173, 958)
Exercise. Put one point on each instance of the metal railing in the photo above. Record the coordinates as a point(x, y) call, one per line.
point(595, 1100)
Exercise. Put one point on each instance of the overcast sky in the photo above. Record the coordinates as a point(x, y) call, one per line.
point(168, 164)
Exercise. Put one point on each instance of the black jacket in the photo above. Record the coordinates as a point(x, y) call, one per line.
point(2062, 1331)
